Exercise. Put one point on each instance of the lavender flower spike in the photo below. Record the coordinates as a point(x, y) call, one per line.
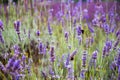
point(1, 25)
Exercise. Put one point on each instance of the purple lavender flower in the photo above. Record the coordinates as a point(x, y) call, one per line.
point(1, 25)
point(52, 54)
point(1, 38)
point(82, 74)
point(94, 55)
point(40, 47)
point(118, 59)
point(113, 66)
point(38, 33)
point(66, 36)
point(51, 72)
point(90, 28)
point(23, 57)
point(16, 65)
point(2, 68)
point(67, 61)
point(49, 29)
point(84, 58)
point(85, 14)
point(117, 33)
point(94, 58)
point(119, 72)
point(106, 28)
point(70, 75)
point(10, 63)
point(17, 26)
point(73, 54)
point(116, 44)
point(79, 31)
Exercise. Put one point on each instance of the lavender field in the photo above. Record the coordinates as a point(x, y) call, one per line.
point(59, 40)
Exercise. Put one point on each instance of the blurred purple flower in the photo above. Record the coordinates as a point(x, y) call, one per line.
point(106, 28)
point(52, 54)
point(10, 63)
point(49, 29)
point(1, 25)
point(66, 36)
point(82, 74)
point(38, 33)
point(17, 26)
point(84, 58)
point(16, 65)
point(79, 31)
point(70, 75)
point(73, 54)
point(67, 61)
point(40, 47)
point(1, 38)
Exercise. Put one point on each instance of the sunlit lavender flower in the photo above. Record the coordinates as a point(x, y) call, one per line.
point(84, 58)
point(52, 54)
point(1, 25)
